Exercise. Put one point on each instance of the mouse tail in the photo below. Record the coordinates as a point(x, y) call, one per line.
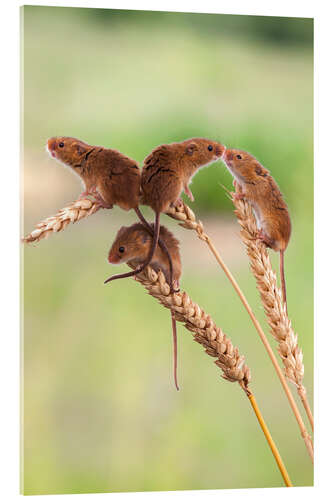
point(174, 335)
point(124, 275)
point(161, 245)
point(282, 278)
point(148, 259)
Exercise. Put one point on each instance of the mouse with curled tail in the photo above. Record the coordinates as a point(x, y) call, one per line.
point(109, 176)
point(255, 184)
point(132, 245)
point(166, 173)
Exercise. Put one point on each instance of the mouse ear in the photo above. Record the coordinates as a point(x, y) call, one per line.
point(260, 171)
point(144, 237)
point(191, 148)
point(80, 149)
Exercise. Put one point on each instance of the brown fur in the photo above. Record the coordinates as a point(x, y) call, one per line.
point(168, 170)
point(136, 241)
point(257, 186)
point(114, 176)
point(261, 191)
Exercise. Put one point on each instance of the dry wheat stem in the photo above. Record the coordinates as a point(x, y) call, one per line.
point(270, 441)
point(273, 303)
point(74, 212)
point(188, 220)
point(214, 341)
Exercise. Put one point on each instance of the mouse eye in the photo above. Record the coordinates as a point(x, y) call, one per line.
point(121, 249)
point(238, 157)
point(61, 144)
point(210, 147)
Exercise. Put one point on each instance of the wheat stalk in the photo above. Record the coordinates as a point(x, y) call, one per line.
point(213, 339)
point(79, 209)
point(187, 219)
point(273, 303)
point(205, 331)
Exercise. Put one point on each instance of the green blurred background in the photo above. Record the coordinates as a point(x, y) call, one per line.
point(100, 409)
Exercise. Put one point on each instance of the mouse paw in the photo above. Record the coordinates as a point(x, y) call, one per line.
point(174, 287)
point(238, 196)
point(84, 195)
point(188, 192)
point(261, 236)
point(98, 198)
point(178, 203)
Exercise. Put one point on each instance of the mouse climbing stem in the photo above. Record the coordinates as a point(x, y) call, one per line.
point(272, 299)
point(187, 219)
point(213, 340)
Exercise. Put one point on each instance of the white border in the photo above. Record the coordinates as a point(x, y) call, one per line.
point(323, 248)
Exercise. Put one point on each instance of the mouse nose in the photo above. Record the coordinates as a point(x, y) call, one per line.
point(219, 150)
point(228, 154)
point(113, 259)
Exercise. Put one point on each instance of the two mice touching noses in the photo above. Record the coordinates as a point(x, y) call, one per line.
point(115, 179)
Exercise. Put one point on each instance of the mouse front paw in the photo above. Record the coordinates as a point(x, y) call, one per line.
point(188, 192)
point(238, 196)
point(100, 200)
point(178, 203)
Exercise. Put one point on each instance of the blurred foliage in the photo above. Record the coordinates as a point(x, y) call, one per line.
point(100, 411)
point(260, 28)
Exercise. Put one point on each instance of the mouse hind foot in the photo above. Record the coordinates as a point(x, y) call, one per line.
point(264, 238)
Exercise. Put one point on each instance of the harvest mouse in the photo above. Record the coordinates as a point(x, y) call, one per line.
point(111, 177)
point(258, 187)
point(167, 171)
point(132, 245)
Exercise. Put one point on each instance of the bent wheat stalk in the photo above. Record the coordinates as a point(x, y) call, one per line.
point(271, 296)
point(74, 212)
point(214, 341)
point(187, 219)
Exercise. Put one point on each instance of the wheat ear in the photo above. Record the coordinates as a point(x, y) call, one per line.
point(74, 212)
point(214, 341)
point(188, 220)
point(271, 296)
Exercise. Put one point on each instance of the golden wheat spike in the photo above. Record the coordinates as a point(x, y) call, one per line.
point(214, 341)
point(73, 212)
point(271, 297)
point(187, 219)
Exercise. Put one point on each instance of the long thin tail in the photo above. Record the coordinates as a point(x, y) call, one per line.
point(174, 334)
point(149, 256)
point(160, 242)
point(282, 278)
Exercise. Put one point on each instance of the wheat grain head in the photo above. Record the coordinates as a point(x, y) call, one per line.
point(74, 212)
point(201, 325)
point(271, 295)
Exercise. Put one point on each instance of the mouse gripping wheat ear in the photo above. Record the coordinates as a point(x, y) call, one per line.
point(79, 209)
point(188, 220)
point(271, 297)
point(213, 340)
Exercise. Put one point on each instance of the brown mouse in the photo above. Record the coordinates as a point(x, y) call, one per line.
point(258, 187)
point(108, 175)
point(166, 172)
point(132, 245)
